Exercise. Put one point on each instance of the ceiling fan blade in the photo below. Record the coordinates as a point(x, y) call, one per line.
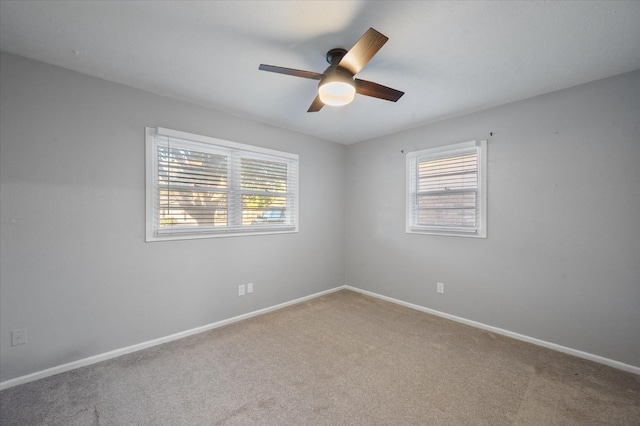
point(362, 52)
point(375, 90)
point(290, 71)
point(316, 105)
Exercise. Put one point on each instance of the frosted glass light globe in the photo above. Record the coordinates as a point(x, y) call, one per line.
point(336, 93)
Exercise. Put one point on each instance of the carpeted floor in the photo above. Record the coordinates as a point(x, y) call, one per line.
point(341, 359)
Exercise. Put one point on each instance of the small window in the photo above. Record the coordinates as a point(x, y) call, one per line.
point(199, 187)
point(447, 190)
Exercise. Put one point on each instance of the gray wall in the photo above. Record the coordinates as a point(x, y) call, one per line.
point(75, 270)
point(561, 262)
point(562, 259)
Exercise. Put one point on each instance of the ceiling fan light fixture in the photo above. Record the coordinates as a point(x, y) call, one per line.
point(338, 84)
point(337, 89)
point(337, 93)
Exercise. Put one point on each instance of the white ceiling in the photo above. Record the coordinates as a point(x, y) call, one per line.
point(450, 58)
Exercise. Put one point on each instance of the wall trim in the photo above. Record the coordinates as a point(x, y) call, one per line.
point(580, 354)
point(140, 346)
point(144, 345)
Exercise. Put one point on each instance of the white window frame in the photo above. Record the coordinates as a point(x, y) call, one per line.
point(413, 158)
point(154, 137)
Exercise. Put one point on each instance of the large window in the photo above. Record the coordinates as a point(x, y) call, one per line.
point(200, 187)
point(447, 191)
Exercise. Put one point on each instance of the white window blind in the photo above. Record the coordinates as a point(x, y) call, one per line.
point(446, 190)
point(204, 187)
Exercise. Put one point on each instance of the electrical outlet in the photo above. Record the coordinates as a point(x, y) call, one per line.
point(18, 336)
point(250, 288)
point(241, 290)
point(440, 287)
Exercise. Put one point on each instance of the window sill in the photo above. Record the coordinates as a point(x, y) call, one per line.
point(172, 236)
point(447, 233)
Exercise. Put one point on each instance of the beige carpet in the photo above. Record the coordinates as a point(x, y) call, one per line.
point(341, 359)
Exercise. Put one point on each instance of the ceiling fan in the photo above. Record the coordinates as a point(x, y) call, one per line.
point(337, 84)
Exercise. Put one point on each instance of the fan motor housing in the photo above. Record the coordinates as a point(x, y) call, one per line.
point(335, 55)
point(336, 74)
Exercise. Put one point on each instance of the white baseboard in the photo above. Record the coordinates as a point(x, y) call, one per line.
point(133, 348)
point(585, 355)
point(123, 351)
